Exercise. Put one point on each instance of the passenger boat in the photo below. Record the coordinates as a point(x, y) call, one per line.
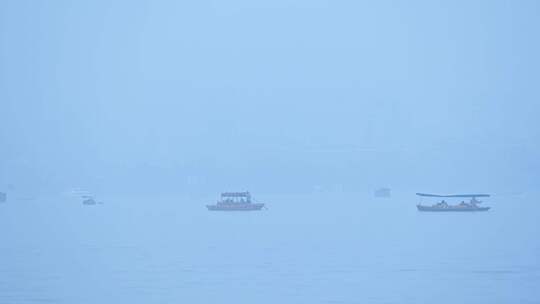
point(235, 201)
point(443, 206)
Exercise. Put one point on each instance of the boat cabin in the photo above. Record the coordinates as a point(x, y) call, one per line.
point(235, 198)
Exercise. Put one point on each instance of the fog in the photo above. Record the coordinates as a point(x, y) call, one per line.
point(298, 102)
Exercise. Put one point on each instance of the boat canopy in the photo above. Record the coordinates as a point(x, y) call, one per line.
point(236, 194)
point(452, 195)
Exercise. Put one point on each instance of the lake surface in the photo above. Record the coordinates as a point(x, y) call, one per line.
point(313, 248)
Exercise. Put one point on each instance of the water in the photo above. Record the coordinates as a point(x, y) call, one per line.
point(313, 248)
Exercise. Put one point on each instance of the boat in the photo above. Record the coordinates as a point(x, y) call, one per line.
point(443, 206)
point(3, 197)
point(235, 201)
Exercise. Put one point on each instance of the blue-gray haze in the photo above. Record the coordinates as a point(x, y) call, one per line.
point(155, 107)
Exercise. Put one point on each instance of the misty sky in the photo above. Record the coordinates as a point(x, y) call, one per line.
point(229, 95)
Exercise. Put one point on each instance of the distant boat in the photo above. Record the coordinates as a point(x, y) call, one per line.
point(235, 201)
point(383, 192)
point(3, 197)
point(443, 206)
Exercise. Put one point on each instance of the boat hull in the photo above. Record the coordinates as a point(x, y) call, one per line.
point(235, 207)
point(451, 209)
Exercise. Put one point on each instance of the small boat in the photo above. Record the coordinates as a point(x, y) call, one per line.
point(235, 201)
point(3, 197)
point(443, 206)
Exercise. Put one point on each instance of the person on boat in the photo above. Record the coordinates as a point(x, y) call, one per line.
point(442, 204)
